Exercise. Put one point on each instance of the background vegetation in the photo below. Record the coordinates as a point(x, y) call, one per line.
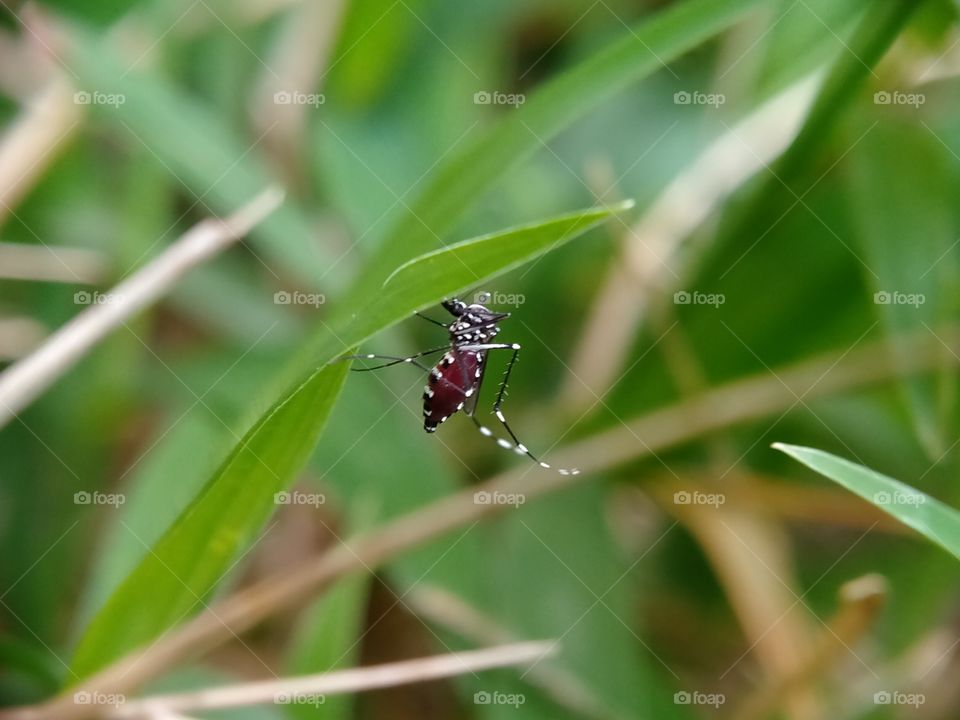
point(788, 273)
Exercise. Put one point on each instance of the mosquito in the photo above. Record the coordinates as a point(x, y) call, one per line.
point(453, 384)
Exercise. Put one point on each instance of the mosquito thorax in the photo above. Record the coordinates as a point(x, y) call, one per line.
point(474, 324)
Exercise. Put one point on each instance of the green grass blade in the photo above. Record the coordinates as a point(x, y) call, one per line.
point(790, 177)
point(186, 138)
point(911, 270)
point(186, 564)
point(450, 270)
point(870, 42)
point(190, 559)
point(937, 522)
point(329, 638)
point(463, 178)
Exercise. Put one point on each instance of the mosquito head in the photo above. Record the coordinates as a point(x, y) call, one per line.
point(455, 306)
point(474, 314)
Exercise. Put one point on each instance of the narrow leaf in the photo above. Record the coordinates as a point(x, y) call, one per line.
point(180, 571)
point(937, 522)
point(450, 270)
point(461, 180)
point(902, 185)
point(202, 152)
point(189, 561)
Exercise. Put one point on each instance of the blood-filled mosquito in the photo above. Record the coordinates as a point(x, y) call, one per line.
point(454, 383)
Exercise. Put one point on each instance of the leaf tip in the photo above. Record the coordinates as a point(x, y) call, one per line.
point(793, 451)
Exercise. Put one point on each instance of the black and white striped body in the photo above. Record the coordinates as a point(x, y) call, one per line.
point(454, 383)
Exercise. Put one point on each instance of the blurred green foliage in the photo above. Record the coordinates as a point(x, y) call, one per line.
point(394, 158)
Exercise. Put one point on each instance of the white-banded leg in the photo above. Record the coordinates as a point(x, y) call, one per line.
point(431, 320)
point(394, 360)
point(517, 446)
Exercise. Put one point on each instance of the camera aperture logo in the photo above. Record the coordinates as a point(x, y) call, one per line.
point(899, 497)
point(86, 697)
point(299, 698)
point(299, 498)
point(499, 298)
point(295, 97)
point(96, 497)
point(895, 297)
point(685, 97)
point(695, 297)
point(486, 497)
point(84, 97)
point(898, 97)
point(696, 497)
point(896, 697)
point(295, 297)
point(494, 97)
point(86, 297)
point(495, 697)
point(695, 697)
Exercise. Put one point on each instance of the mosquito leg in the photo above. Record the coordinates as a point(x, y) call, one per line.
point(518, 446)
point(431, 320)
point(393, 359)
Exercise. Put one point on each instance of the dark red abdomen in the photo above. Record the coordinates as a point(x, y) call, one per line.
point(450, 384)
